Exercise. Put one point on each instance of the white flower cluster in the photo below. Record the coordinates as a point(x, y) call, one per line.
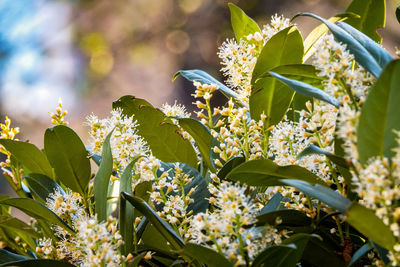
point(93, 243)
point(239, 58)
point(125, 143)
point(224, 228)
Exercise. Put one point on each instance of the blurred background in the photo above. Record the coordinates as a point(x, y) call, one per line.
point(91, 52)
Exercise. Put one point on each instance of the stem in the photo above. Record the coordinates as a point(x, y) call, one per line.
point(210, 120)
point(340, 230)
point(348, 91)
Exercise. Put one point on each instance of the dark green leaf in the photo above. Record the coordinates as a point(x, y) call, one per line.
point(320, 253)
point(361, 54)
point(126, 215)
point(290, 218)
point(306, 89)
point(367, 223)
point(35, 209)
point(102, 179)
point(300, 241)
point(164, 228)
point(276, 256)
point(372, 16)
point(398, 13)
point(273, 204)
point(206, 256)
point(326, 195)
point(229, 166)
point(69, 157)
point(160, 133)
point(267, 173)
point(242, 24)
point(38, 263)
point(269, 96)
point(41, 185)
point(380, 116)
point(204, 77)
point(7, 256)
point(29, 156)
point(313, 149)
point(360, 253)
point(201, 136)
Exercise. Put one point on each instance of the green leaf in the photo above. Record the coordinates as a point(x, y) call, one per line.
point(267, 173)
point(204, 77)
point(126, 215)
point(378, 52)
point(160, 133)
point(306, 89)
point(164, 228)
point(398, 13)
point(29, 156)
point(7, 256)
point(276, 256)
point(41, 185)
point(290, 218)
point(320, 253)
point(325, 194)
point(201, 136)
point(313, 149)
point(361, 53)
point(206, 255)
point(367, 223)
point(269, 96)
point(35, 209)
point(275, 203)
point(229, 166)
point(300, 241)
point(102, 179)
point(372, 16)
point(242, 24)
point(380, 117)
point(68, 156)
point(299, 72)
point(320, 31)
point(14, 224)
point(360, 253)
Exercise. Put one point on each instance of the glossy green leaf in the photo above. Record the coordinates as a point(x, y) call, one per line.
point(160, 133)
point(299, 72)
point(276, 256)
point(269, 96)
point(320, 31)
point(14, 224)
point(7, 256)
point(202, 137)
point(164, 228)
point(372, 16)
point(41, 185)
point(29, 156)
point(320, 253)
point(102, 179)
point(275, 203)
point(367, 223)
point(360, 253)
point(300, 240)
point(69, 157)
point(204, 77)
point(267, 173)
point(378, 52)
point(126, 215)
point(38, 263)
point(325, 194)
point(206, 256)
point(361, 54)
point(242, 24)
point(306, 89)
point(35, 209)
point(290, 218)
point(229, 166)
point(313, 149)
point(380, 116)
